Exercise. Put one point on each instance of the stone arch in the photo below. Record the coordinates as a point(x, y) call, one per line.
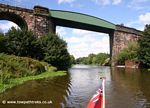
point(17, 19)
point(41, 20)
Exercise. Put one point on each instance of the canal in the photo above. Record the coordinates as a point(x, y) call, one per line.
point(125, 88)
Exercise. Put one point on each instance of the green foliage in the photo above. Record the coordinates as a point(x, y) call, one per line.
point(51, 72)
point(55, 51)
point(2, 43)
point(144, 50)
point(90, 59)
point(49, 48)
point(129, 53)
point(72, 59)
point(4, 76)
point(13, 67)
point(81, 60)
point(22, 43)
point(98, 59)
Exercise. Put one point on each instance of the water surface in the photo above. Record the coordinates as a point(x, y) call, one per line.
point(125, 88)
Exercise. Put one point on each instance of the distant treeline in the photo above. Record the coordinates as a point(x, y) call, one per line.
point(96, 59)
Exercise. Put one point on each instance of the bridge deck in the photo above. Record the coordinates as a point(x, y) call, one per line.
point(81, 21)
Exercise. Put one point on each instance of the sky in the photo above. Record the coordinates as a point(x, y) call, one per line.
point(131, 13)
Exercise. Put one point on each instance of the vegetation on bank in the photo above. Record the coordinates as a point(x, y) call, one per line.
point(14, 67)
point(96, 59)
point(16, 70)
point(19, 81)
point(72, 60)
point(138, 51)
point(144, 50)
point(49, 48)
point(129, 53)
point(55, 51)
point(21, 53)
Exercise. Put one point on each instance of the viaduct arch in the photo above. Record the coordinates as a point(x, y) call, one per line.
point(41, 20)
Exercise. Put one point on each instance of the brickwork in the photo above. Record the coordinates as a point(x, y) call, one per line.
point(122, 36)
point(39, 21)
point(36, 20)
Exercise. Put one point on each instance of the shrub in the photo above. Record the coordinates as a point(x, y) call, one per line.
point(22, 43)
point(129, 53)
point(5, 76)
point(2, 43)
point(72, 59)
point(49, 48)
point(55, 51)
point(13, 67)
point(144, 50)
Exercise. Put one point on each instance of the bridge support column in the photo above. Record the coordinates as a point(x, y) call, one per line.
point(111, 39)
point(43, 23)
point(121, 38)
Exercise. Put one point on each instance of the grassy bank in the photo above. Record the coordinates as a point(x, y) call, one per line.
point(16, 70)
point(18, 81)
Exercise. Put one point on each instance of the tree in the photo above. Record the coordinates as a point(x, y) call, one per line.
point(144, 50)
point(23, 43)
point(2, 43)
point(100, 58)
point(90, 58)
point(129, 53)
point(72, 59)
point(55, 51)
point(49, 48)
point(81, 60)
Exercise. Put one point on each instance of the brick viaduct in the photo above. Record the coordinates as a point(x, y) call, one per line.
point(39, 21)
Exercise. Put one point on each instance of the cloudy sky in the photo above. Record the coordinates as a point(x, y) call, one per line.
point(132, 13)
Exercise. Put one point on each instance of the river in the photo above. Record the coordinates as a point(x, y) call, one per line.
point(125, 88)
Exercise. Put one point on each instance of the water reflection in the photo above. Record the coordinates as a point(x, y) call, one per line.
point(40, 90)
point(131, 87)
point(85, 81)
point(125, 88)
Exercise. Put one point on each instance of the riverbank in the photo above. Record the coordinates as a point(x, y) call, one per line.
point(19, 81)
point(16, 70)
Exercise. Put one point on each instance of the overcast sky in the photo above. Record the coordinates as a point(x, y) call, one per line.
point(132, 13)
